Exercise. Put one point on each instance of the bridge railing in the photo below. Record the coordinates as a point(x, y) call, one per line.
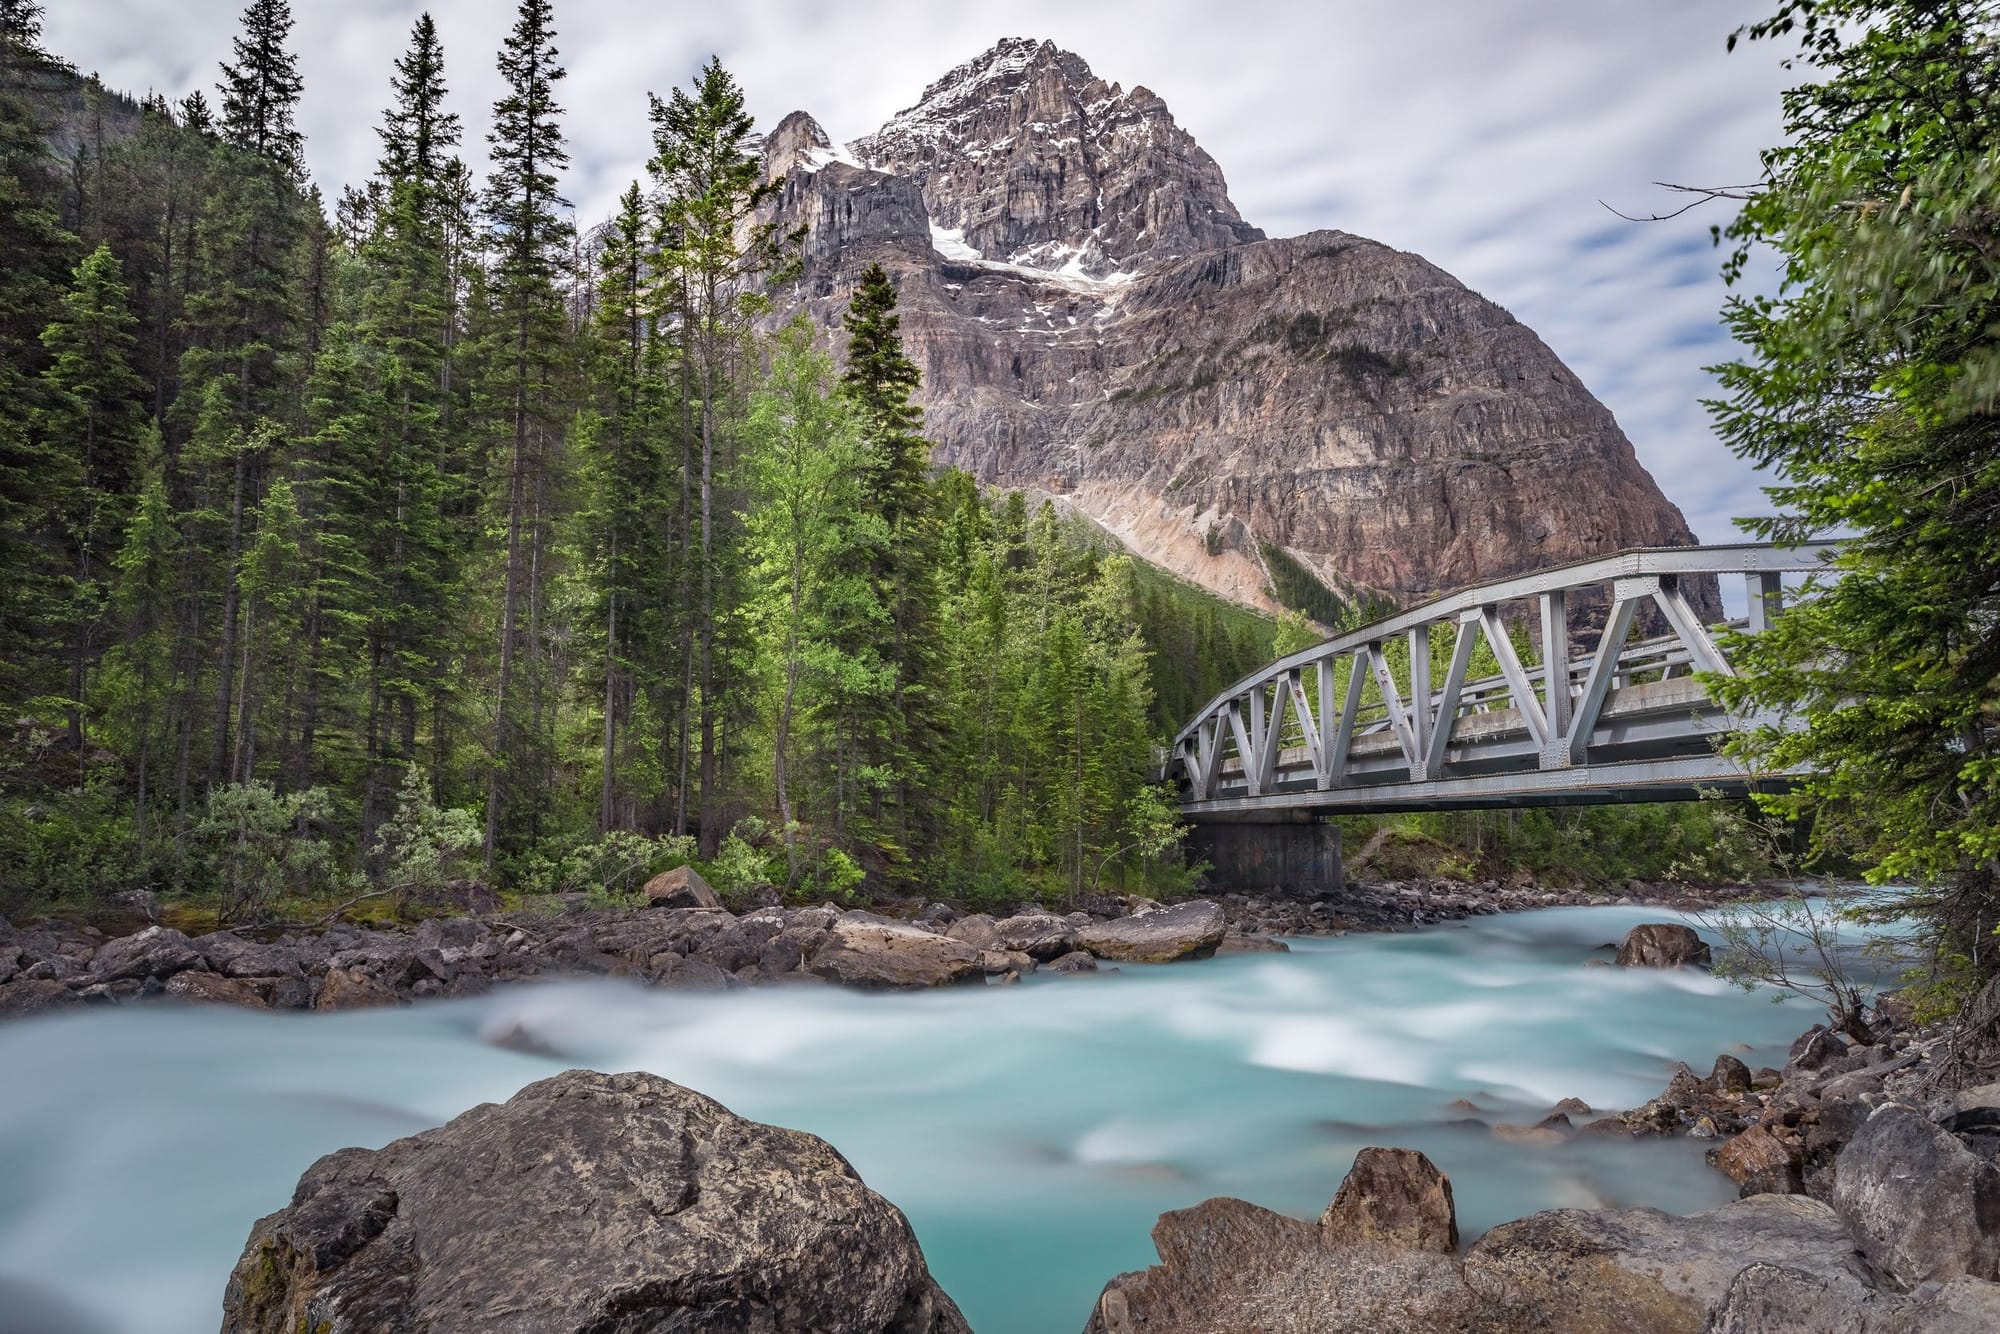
point(1362, 709)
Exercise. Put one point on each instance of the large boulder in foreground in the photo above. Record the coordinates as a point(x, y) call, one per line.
point(1663, 945)
point(1648, 1272)
point(1227, 1267)
point(588, 1202)
point(1183, 931)
point(1377, 1261)
point(1770, 1299)
point(1921, 1204)
point(874, 953)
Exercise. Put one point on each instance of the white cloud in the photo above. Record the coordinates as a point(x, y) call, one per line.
point(1481, 136)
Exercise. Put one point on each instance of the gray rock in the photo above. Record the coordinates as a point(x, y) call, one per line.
point(232, 956)
point(681, 887)
point(1644, 1271)
point(352, 989)
point(1814, 1049)
point(1185, 930)
point(25, 996)
point(1920, 1204)
point(1043, 936)
point(588, 1202)
point(213, 989)
point(1227, 1267)
point(1663, 945)
point(1770, 1299)
point(1076, 961)
point(158, 951)
point(977, 930)
point(1238, 942)
point(1394, 1197)
point(893, 955)
point(1729, 1075)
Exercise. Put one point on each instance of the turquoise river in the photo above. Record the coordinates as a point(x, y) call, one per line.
point(1031, 1133)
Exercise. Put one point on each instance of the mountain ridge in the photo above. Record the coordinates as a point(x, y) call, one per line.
point(1096, 322)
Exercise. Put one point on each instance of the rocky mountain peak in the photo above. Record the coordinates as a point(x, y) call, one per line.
point(799, 143)
point(1024, 156)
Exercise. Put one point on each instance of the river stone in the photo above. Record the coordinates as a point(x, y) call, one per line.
point(1185, 930)
point(1644, 1271)
point(1768, 1299)
point(1395, 1197)
point(1042, 935)
point(158, 951)
point(977, 930)
point(1227, 1267)
point(1759, 1158)
point(1729, 1075)
point(211, 989)
point(232, 956)
point(1238, 942)
point(588, 1202)
point(351, 989)
point(999, 963)
point(1663, 945)
point(893, 954)
point(1076, 961)
point(681, 887)
point(26, 995)
point(1920, 1204)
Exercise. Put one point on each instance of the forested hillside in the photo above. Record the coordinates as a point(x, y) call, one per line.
point(388, 536)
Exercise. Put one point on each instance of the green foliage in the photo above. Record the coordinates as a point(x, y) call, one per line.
point(739, 865)
point(253, 845)
point(1712, 841)
point(1868, 388)
point(421, 848)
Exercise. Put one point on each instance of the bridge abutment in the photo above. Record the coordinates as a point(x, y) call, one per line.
point(1279, 857)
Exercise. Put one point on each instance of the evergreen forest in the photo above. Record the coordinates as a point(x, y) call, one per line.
point(416, 539)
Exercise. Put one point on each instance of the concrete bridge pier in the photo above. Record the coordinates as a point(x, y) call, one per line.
point(1298, 856)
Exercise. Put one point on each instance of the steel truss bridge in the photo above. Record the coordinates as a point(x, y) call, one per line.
point(1357, 724)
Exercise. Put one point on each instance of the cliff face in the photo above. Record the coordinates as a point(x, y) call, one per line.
point(1095, 320)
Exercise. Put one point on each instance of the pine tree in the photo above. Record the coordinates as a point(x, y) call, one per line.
point(389, 485)
point(531, 241)
point(242, 367)
point(260, 89)
point(21, 24)
point(721, 257)
point(627, 514)
point(898, 730)
point(35, 255)
point(95, 413)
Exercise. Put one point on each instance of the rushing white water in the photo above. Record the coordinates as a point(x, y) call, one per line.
point(1032, 1133)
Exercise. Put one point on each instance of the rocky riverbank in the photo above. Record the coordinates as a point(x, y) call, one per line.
point(52, 965)
point(1869, 1203)
point(684, 938)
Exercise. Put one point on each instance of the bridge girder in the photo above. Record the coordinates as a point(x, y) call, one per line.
point(1337, 728)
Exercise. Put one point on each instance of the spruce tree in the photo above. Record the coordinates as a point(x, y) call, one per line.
point(260, 88)
point(721, 257)
point(95, 414)
point(627, 513)
point(898, 729)
point(35, 255)
point(530, 239)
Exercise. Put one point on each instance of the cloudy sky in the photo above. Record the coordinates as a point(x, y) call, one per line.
point(1479, 133)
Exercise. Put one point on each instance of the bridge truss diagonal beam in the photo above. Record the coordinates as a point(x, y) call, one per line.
point(1602, 715)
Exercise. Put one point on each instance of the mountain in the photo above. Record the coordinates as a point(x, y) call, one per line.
point(1096, 321)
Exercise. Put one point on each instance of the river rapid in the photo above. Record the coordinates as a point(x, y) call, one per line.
point(1031, 1133)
